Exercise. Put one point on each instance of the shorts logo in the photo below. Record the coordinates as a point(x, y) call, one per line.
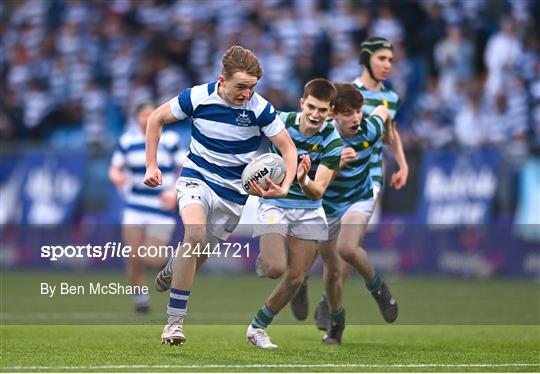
point(272, 219)
point(243, 119)
point(192, 184)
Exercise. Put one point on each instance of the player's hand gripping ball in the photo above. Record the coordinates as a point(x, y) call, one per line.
point(268, 165)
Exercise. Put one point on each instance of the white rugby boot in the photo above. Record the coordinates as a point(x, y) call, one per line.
point(259, 338)
point(173, 334)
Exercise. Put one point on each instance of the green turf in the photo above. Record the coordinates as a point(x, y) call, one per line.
point(230, 299)
point(442, 323)
point(119, 348)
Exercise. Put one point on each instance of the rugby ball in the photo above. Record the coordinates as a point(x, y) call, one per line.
point(268, 165)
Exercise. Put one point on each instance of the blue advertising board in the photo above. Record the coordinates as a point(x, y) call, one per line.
point(458, 187)
point(41, 187)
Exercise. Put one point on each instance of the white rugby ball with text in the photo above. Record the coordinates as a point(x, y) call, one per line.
point(268, 165)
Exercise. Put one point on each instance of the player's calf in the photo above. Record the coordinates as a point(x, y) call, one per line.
point(163, 279)
point(299, 303)
point(322, 314)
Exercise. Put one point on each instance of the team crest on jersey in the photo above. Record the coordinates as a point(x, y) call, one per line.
point(365, 144)
point(243, 119)
point(385, 103)
point(315, 148)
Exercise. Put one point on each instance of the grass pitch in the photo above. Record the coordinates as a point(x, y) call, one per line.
point(440, 328)
point(222, 348)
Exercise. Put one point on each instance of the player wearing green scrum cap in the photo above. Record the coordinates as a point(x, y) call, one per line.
point(376, 55)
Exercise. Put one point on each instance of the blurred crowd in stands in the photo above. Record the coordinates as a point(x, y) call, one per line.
point(467, 71)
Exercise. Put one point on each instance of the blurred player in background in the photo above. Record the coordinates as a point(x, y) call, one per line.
point(298, 220)
point(149, 214)
point(229, 123)
point(349, 202)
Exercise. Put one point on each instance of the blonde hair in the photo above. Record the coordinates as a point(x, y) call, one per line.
point(240, 59)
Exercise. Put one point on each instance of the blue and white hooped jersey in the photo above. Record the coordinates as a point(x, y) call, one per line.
point(224, 138)
point(131, 156)
point(354, 183)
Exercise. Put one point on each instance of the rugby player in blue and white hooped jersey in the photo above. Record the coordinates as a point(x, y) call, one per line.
point(149, 214)
point(229, 122)
point(299, 218)
point(349, 202)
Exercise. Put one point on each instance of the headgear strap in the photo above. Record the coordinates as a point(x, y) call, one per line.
point(368, 48)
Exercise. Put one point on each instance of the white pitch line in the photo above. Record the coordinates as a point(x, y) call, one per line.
point(9, 317)
point(259, 366)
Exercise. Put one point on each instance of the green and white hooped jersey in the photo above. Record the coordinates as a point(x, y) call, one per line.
point(324, 148)
point(372, 99)
point(353, 183)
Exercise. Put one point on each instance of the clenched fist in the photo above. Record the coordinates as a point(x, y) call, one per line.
point(152, 178)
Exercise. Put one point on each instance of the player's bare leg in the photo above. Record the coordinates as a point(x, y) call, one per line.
point(133, 236)
point(272, 260)
point(299, 261)
point(352, 232)
point(163, 279)
point(353, 227)
point(332, 304)
point(194, 218)
point(300, 302)
point(332, 271)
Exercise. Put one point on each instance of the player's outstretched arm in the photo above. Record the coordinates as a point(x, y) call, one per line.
point(159, 117)
point(376, 124)
point(384, 113)
point(286, 147)
point(399, 178)
point(314, 189)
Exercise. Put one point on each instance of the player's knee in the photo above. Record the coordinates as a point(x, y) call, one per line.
point(347, 253)
point(333, 274)
point(295, 280)
point(195, 234)
point(274, 271)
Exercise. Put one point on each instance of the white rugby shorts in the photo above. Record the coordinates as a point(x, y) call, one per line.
point(364, 207)
point(301, 223)
point(222, 216)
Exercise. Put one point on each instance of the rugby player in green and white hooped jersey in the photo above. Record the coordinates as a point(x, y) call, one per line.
point(376, 55)
point(299, 217)
point(349, 202)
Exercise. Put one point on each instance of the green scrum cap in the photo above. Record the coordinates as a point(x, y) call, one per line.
point(369, 47)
